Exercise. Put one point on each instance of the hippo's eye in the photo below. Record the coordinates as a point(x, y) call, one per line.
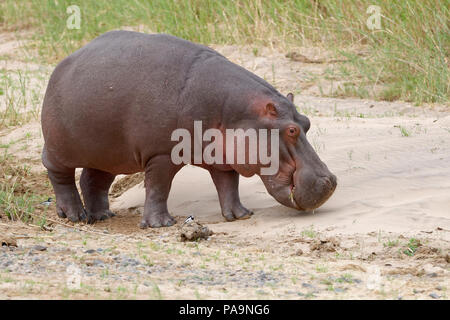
point(293, 131)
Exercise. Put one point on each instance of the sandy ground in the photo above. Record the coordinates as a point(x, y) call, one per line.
point(384, 234)
point(386, 181)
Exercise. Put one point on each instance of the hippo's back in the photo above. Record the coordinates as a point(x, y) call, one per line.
point(108, 98)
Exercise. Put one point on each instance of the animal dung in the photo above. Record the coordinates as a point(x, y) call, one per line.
point(194, 231)
point(8, 241)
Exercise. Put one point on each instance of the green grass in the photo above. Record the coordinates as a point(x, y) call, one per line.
point(404, 132)
point(391, 243)
point(411, 247)
point(15, 203)
point(310, 233)
point(407, 59)
point(21, 94)
point(19, 199)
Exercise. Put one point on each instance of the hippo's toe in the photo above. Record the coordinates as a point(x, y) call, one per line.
point(99, 216)
point(157, 221)
point(73, 214)
point(237, 212)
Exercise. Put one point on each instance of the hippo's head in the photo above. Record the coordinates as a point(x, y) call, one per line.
point(302, 181)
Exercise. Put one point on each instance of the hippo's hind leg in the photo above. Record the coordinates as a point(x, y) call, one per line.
point(159, 174)
point(227, 185)
point(94, 187)
point(68, 201)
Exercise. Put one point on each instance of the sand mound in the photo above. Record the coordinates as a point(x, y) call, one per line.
point(393, 175)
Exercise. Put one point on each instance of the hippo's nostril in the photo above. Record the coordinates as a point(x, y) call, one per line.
point(326, 183)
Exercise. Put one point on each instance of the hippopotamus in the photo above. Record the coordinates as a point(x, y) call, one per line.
point(110, 108)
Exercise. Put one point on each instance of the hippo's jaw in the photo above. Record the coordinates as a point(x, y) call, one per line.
point(301, 191)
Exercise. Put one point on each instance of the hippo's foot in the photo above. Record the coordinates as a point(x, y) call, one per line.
point(74, 214)
point(99, 216)
point(68, 201)
point(157, 220)
point(237, 212)
point(94, 186)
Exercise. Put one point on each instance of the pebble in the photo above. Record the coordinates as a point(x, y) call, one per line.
point(90, 251)
point(38, 247)
point(7, 263)
point(434, 295)
point(307, 285)
point(432, 271)
point(97, 262)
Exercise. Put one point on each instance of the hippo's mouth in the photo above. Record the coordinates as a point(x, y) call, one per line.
point(292, 198)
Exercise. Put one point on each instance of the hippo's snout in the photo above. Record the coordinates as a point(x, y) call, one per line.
point(309, 195)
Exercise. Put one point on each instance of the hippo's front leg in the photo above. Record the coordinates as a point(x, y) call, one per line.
point(227, 185)
point(159, 174)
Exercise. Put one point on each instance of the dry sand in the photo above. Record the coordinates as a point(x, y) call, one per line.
point(386, 181)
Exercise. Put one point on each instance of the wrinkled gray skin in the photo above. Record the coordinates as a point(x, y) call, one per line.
point(110, 108)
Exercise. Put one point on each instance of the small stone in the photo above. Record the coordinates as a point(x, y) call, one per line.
point(439, 288)
point(432, 271)
point(307, 285)
point(7, 263)
point(133, 262)
point(299, 252)
point(434, 295)
point(339, 290)
point(38, 247)
point(98, 262)
point(90, 251)
point(289, 292)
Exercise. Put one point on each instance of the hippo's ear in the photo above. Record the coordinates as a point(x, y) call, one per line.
point(270, 110)
point(266, 109)
point(290, 97)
